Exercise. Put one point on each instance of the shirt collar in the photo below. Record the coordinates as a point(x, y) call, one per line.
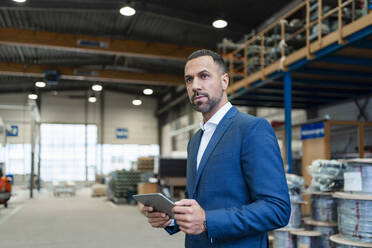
point(217, 117)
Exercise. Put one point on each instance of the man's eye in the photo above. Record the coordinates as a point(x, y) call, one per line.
point(204, 76)
point(188, 80)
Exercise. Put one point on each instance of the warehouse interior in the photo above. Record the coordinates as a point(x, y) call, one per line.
point(94, 109)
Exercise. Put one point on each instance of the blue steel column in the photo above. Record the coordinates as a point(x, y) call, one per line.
point(288, 119)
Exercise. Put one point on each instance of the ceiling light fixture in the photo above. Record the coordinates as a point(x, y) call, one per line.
point(92, 99)
point(19, 1)
point(32, 96)
point(220, 23)
point(148, 92)
point(136, 102)
point(127, 11)
point(40, 84)
point(97, 87)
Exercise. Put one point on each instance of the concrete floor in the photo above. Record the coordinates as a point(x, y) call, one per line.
point(80, 221)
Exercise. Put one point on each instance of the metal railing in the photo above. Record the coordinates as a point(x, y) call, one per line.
point(306, 24)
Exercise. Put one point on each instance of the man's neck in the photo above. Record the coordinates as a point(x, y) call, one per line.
point(208, 115)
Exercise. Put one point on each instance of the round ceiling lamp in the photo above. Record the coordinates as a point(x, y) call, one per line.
point(127, 11)
point(32, 96)
point(92, 99)
point(19, 1)
point(148, 92)
point(136, 102)
point(220, 23)
point(97, 87)
point(40, 84)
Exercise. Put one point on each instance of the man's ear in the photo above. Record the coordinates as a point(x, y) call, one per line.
point(225, 81)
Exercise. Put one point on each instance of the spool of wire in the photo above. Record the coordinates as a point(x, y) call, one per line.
point(323, 207)
point(355, 217)
point(327, 232)
point(284, 239)
point(358, 176)
point(339, 242)
point(346, 246)
point(308, 239)
point(295, 219)
point(326, 228)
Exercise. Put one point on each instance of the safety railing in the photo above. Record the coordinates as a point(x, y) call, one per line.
point(307, 24)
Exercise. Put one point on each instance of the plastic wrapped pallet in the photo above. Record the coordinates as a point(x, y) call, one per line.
point(99, 190)
point(327, 175)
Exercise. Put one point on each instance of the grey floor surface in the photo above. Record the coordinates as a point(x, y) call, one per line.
point(80, 221)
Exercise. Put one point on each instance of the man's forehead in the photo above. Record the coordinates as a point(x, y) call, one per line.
point(199, 64)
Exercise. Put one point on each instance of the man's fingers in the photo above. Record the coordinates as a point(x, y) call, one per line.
point(158, 219)
point(182, 217)
point(186, 202)
point(156, 215)
point(147, 209)
point(182, 210)
point(167, 223)
point(157, 224)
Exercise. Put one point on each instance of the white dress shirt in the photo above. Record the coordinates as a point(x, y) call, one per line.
point(208, 129)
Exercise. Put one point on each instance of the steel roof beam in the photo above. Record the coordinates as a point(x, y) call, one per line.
point(332, 72)
point(271, 97)
point(329, 84)
point(367, 44)
point(303, 92)
point(267, 104)
point(347, 60)
point(92, 44)
point(83, 74)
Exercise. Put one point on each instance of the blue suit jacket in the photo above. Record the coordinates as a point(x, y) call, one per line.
point(240, 183)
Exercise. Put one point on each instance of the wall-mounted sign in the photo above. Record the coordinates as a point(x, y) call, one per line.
point(122, 133)
point(312, 131)
point(12, 131)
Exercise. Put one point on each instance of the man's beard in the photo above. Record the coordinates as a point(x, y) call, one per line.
point(205, 107)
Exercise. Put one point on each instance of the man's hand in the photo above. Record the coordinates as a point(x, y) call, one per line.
point(189, 216)
point(156, 219)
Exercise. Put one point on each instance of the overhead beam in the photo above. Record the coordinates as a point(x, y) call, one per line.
point(346, 60)
point(271, 104)
point(335, 72)
point(83, 74)
point(302, 92)
point(92, 44)
point(355, 52)
point(340, 67)
point(300, 75)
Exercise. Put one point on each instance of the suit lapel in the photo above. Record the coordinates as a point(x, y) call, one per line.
point(216, 137)
point(191, 165)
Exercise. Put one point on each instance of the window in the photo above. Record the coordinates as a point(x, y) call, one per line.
point(63, 152)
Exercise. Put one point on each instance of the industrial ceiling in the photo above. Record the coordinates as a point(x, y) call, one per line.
point(81, 42)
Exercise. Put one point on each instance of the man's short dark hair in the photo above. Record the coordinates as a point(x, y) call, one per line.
point(215, 56)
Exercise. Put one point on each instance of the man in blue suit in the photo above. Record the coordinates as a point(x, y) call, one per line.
point(236, 188)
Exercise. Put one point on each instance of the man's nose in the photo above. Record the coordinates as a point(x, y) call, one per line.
point(196, 84)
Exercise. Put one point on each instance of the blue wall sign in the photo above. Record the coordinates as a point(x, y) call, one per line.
point(13, 132)
point(122, 133)
point(312, 131)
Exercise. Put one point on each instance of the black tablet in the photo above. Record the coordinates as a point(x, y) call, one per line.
point(158, 201)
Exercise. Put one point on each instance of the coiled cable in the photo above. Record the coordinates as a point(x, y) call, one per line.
point(355, 219)
point(323, 208)
point(283, 239)
point(365, 170)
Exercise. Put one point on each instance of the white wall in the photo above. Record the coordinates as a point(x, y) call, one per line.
point(62, 108)
point(141, 121)
point(19, 117)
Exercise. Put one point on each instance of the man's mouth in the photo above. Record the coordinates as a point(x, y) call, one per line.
point(198, 96)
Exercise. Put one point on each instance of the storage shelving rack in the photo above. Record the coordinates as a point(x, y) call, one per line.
point(327, 68)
